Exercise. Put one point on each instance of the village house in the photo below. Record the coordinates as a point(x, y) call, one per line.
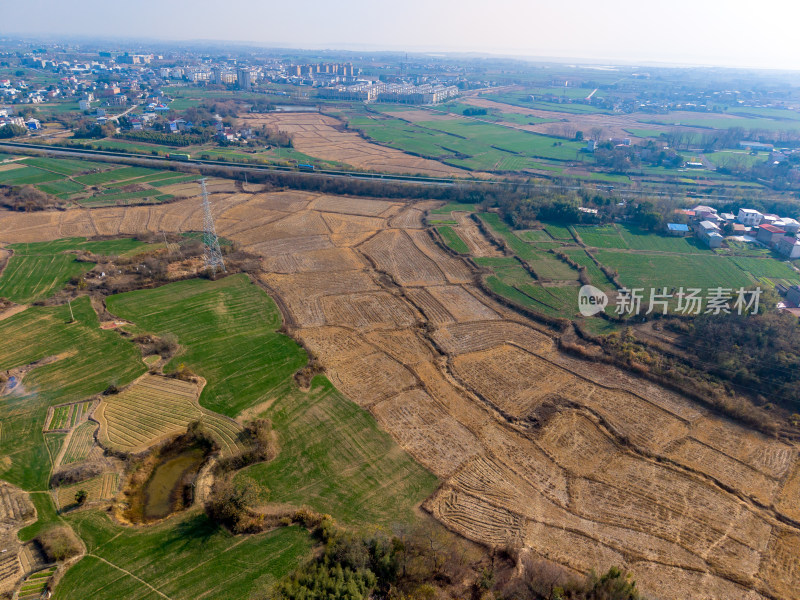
point(678, 229)
point(749, 217)
point(769, 234)
point(793, 296)
point(788, 246)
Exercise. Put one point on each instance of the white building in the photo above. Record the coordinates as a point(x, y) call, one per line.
point(790, 225)
point(749, 217)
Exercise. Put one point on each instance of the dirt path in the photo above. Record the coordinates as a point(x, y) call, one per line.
point(140, 580)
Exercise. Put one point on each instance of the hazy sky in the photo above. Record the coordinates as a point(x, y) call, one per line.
point(715, 32)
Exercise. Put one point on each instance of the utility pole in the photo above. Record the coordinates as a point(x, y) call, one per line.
point(212, 253)
point(72, 316)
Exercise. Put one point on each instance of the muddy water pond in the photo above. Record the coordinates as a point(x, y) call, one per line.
point(164, 492)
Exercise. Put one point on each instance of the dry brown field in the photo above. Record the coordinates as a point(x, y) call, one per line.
point(575, 461)
point(324, 137)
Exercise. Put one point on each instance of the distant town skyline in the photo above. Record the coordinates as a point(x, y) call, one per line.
point(727, 33)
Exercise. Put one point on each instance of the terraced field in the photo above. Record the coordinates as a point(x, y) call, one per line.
point(100, 488)
point(616, 470)
point(66, 416)
point(155, 407)
point(85, 360)
point(80, 443)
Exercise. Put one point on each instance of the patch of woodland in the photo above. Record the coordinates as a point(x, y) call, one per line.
point(27, 198)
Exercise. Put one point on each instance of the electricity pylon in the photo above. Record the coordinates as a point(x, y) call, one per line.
point(212, 252)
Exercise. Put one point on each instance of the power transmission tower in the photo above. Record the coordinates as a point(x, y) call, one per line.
point(212, 252)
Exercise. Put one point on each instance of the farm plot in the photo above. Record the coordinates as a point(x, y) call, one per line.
point(593, 272)
point(489, 372)
point(462, 338)
point(88, 360)
point(319, 136)
point(65, 166)
point(453, 239)
point(367, 310)
point(366, 207)
point(704, 271)
point(394, 252)
point(154, 408)
point(10, 570)
point(15, 505)
point(768, 268)
point(455, 269)
point(35, 585)
point(601, 236)
point(476, 242)
point(66, 416)
point(27, 176)
point(184, 558)
point(114, 175)
point(638, 239)
point(431, 435)
point(39, 270)
point(80, 443)
point(460, 303)
point(100, 488)
point(228, 328)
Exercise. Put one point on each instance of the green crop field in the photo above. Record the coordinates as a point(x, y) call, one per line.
point(171, 181)
point(228, 329)
point(27, 175)
point(111, 198)
point(119, 174)
point(735, 159)
point(533, 235)
point(452, 239)
point(188, 557)
point(766, 267)
point(335, 458)
point(46, 516)
point(65, 166)
point(601, 236)
point(558, 232)
point(454, 206)
point(626, 237)
point(64, 186)
point(596, 276)
point(642, 270)
point(712, 121)
point(91, 359)
point(39, 270)
point(465, 142)
point(80, 444)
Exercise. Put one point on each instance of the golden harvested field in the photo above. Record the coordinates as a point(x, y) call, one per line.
point(477, 243)
point(155, 407)
point(325, 138)
point(572, 460)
